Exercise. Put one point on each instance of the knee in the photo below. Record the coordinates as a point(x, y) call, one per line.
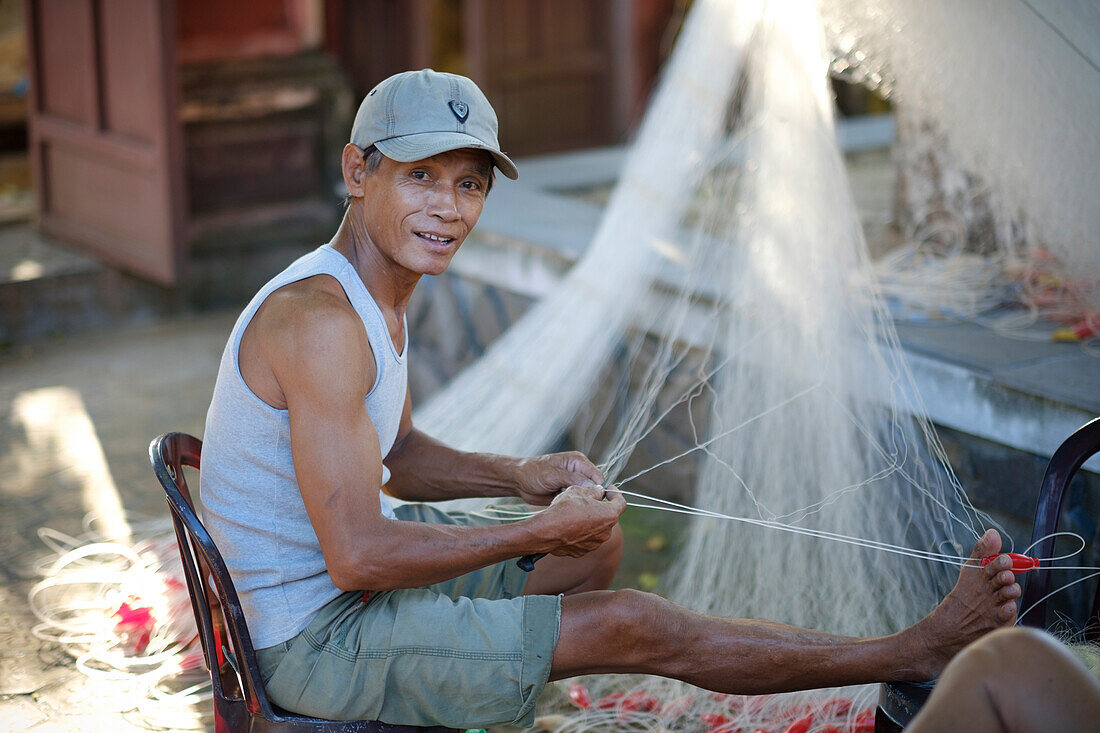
point(600, 566)
point(616, 542)
point(1011, 647)
point(611, 554)
point(1000, 653)
point(646, 624)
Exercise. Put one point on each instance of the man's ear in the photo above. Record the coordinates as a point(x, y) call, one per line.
point(354, 166)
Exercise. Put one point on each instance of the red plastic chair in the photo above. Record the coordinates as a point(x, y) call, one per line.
point(240, 702)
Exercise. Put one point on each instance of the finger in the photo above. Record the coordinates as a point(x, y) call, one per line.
point(589, 491)
point(562, 495)
point(580, 463)
point(592, 472)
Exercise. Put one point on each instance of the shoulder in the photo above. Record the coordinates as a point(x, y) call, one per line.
point(306, 307)
point(309, 325)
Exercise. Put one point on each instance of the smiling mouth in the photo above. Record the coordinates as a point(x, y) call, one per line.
point(434, 238)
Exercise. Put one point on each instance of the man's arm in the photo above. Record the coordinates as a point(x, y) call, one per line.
point(322, 361)
point(424, 469)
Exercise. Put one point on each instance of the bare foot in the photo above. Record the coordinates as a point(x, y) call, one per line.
point(983, 599)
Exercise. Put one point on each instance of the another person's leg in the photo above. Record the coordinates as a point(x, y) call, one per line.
point(629, 631)
point(1012, 680)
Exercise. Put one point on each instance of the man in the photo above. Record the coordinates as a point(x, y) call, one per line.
point(311, 418)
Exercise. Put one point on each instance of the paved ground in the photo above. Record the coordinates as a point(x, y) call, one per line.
point(76, 418)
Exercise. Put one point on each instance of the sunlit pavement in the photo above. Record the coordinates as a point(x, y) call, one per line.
point(76, 418)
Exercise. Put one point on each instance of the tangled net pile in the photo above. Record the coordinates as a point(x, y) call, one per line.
point(119, 606)
point(996, 105)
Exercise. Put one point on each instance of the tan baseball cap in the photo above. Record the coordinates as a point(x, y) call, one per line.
point(417, 114)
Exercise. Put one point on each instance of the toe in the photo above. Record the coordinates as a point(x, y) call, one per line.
point(988, 544)
point(996, 568)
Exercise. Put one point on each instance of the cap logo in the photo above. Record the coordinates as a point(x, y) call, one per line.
point(460, 110)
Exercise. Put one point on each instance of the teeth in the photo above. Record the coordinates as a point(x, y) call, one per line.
point(435, 238)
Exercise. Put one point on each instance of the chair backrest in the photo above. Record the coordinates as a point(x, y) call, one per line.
point(237, 697)
point(1063, 466)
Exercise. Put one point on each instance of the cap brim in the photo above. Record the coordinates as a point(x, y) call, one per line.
point(407, 148)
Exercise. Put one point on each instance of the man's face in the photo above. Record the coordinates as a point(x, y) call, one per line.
point(418, 214)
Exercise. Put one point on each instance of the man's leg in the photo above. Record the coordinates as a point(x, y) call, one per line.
point(1012, 680)
point(571, 575)
point(629, 631)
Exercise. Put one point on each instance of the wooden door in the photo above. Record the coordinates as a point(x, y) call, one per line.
point(374, 39)
point(105, 136)
point(556, 71)
point(218, 30)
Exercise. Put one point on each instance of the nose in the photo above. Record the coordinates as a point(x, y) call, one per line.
point(443, 203)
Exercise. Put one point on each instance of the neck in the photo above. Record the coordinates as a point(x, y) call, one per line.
point(389, 284)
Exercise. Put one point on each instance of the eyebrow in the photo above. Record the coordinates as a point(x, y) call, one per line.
point(481, 169)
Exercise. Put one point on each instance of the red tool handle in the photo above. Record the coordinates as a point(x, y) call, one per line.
point(1020, 563)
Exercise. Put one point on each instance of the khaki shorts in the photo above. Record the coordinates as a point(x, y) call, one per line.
point(465, 653)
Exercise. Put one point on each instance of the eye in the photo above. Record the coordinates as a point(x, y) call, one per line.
point(419, 175)
point(471, 185)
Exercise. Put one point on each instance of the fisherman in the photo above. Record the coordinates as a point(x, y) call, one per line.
point(410, 615)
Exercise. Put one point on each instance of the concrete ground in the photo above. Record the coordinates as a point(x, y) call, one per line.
point(76, 418)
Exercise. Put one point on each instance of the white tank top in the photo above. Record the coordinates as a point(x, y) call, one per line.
point(251, 503)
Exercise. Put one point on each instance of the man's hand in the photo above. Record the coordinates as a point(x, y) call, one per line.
point(580, 519)
point(542, 477)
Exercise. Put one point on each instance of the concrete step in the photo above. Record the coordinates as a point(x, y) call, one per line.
point(48, 290)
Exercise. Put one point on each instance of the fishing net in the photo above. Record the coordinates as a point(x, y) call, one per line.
point(819, 481)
